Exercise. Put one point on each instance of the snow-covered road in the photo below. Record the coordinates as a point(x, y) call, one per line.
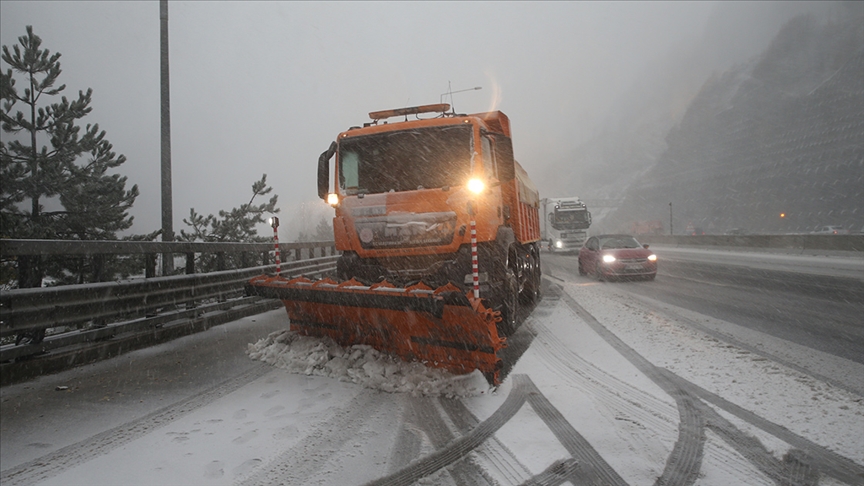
point(615, 388)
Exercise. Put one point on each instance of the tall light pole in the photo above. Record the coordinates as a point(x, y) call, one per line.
point(670, 219)
point(167, 211)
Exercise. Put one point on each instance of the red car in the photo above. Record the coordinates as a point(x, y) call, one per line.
point(613, 256)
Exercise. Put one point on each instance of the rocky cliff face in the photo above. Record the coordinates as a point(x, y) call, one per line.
point(782, 134)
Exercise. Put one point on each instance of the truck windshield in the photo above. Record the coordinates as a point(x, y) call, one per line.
point(570, 219)
point(405, 160)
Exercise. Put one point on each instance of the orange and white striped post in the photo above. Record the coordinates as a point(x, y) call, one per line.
point(475, 271)
point(274, 222)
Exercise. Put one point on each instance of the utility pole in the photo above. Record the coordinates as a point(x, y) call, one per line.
point(167, 211)
point(670, 219)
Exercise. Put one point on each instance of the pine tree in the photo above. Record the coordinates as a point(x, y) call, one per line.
point(236, 225)
point(39, 158)
point(324, 230)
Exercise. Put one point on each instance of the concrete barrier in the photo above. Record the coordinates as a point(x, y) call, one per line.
point(798, 242)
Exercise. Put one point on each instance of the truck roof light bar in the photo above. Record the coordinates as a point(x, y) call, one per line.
point(411, 110)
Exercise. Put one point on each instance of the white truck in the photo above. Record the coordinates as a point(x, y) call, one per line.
point(564, 222)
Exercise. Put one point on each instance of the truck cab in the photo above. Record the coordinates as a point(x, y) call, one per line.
point(409, 195)
point(565, 223)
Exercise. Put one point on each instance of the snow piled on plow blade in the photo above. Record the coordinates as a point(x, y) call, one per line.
point(364, 365)
point(442, 328)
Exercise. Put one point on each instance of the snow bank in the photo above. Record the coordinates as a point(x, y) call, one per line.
point(363, 365)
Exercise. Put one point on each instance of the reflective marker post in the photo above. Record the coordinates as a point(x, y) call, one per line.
point(274, 222)
point(474, 268)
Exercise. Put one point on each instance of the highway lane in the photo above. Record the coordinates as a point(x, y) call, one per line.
point(620, 383)
point(790, 297)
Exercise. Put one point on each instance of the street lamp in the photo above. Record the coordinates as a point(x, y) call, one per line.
point(670, 219)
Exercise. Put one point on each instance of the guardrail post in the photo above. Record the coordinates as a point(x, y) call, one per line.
point(98, 268)
point(190, 263)
point(149, 265)
point(297, 255)
point(220, 260)
point(265, 258)
point(190, 270)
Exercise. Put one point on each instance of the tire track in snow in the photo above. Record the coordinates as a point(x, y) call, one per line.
point(797, 468)
point(635, 405)
point(493, 454)
point(72, 455)
point(591, 468)
point(311, 455)
point(843, 385)
point(826, 461)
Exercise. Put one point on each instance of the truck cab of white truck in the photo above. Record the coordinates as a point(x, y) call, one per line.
point(564, 223)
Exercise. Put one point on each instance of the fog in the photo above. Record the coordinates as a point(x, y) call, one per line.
point(263, 87)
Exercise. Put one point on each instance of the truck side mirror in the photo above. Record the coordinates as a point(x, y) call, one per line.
point(324, 171)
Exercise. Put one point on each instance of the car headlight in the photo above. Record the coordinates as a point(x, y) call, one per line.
point(476, 186)
point(652, 258)
point(333, 199)
point(559, 244)
point(608, 258)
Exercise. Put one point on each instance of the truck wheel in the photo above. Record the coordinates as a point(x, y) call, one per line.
point(538, 278)
point(510, 304)
point(531, 291)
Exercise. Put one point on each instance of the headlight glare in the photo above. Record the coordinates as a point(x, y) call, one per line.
point(652, 258)
point(476, 186)
point(559, 244)
point(608, 258)
point(333, 199)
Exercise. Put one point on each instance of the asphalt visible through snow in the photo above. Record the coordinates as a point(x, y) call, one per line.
point(823, 312)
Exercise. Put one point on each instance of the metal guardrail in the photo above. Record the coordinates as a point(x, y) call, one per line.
point(24, 310)
point(85, 247)
point(140, 303)
point(797, 242)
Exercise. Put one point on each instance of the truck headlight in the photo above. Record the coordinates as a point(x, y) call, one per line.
point(559, 244)
point(608, 258)
point(476, 186)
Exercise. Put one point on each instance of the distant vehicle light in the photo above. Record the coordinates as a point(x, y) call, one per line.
point(559, 244)
point(333, 199)
point(608, 258)
point(652, 258)
point(476, 186)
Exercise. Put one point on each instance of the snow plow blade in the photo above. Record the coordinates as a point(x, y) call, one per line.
point(443, 327)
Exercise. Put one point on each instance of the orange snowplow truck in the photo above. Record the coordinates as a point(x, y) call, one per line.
point(438, 228)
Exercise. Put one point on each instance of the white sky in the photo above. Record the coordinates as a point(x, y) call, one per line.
point(263, 87)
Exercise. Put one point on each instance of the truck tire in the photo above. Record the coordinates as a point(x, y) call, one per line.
point(509, 304)
point(531, 293)
point(538, 277)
